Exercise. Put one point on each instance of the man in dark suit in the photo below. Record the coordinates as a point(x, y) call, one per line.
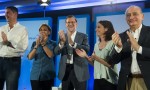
point(73, 70)
point(132, 49)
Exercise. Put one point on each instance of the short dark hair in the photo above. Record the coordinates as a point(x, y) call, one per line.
point(110, 29)
point(13, 9)
point(71, 16)
point(49, 28)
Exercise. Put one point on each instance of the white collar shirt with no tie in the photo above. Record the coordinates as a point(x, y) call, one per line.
point(134, 65)
point(73, 38)
point(18, 37)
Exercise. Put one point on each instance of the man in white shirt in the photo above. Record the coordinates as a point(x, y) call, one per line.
point(13, 42)
point(73, 70)
point(132, 49)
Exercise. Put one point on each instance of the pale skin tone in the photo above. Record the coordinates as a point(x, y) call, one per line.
point(100, 31)
point(134, 18)
point(44, 32)
point(11, 18)
point(71, 25)
point(4, 37)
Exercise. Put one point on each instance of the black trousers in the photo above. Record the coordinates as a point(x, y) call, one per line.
point(10, 72)
point(70, 81)
point(102, 84)
point(42, 85)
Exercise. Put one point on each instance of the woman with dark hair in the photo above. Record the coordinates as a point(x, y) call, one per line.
point(43, 72)
point(105, 76)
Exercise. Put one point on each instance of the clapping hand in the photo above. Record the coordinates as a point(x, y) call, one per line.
point(93, 57)
point(4, 37)
point(43, 38)
point(133, 42)
point(62, 37)
point(81, 52)
point(38, 41)
point(117, 40)
point(99, 59)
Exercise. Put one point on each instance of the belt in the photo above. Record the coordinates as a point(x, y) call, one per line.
point(69, 65)
point(136, 75)
point(9, 58)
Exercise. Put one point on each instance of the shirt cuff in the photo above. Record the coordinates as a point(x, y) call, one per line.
point(75, 45)
point(118, 49)
point(140, 50)
point(61, 46)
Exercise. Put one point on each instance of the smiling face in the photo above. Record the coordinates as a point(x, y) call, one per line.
point(100, 30)
point(10, 15)
point(71, 24)
point(44, 31)
point(134, 17)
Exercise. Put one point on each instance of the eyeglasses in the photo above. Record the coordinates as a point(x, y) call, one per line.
point(70, 22)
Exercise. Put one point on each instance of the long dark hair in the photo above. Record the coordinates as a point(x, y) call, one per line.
point(110, 29)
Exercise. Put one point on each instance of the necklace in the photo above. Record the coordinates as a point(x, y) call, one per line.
point(102, 45)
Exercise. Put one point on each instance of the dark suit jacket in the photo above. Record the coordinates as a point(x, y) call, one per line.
point(80, 64)
point(125, 58)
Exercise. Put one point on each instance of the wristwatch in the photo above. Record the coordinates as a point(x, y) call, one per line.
point(8, 43)
point(43, 45)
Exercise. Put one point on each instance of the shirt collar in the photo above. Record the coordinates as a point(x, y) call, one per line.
point(136, 34)
point(14, 24)
point(73, 35)
point(138, 30)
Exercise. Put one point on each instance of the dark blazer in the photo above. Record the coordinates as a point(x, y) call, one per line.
point(125, 58)
point(80, 64)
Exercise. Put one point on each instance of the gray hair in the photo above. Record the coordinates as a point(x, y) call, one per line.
point(134, 7)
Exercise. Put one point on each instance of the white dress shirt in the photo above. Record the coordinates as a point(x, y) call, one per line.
point(18, 37)
point(134, 65)
point(61, 46)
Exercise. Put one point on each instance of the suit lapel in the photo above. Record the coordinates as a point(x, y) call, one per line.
point(77, 37)
point(66, 38)
point(142, 35)
point(127, 45)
